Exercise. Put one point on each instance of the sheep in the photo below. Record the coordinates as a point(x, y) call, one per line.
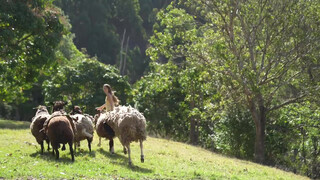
point(76, 110)
point(83, 125)
point(104, 130)
point(60, 129)
point(129, 125)
point(58, 106)
point(36, 125)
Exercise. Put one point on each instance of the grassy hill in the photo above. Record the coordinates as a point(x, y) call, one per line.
point(20, 159)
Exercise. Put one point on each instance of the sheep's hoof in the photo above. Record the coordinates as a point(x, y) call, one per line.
point(142, 158)
point(124, 150)
point(130, 163)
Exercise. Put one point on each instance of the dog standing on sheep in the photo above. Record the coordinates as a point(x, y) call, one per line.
point(129, 125)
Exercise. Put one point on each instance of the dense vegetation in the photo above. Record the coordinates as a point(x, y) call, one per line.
point(236, 77)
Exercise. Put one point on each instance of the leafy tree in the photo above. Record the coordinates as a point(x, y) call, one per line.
point(262, 51)
point(92, 23)
point(78, 79)
point(178, 102)
point(29, 33)
point(157, 95)
point(234, 132)
point(149, 10)
point(293, 138)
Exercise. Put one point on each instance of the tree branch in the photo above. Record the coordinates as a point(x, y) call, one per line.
point(294, 100)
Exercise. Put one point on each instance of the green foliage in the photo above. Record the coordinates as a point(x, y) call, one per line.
point(91, 22)
point(29, 33)
point(78, 79)
point(158, 95)
point(234, 133)
point(80, 82)
point(294, 138)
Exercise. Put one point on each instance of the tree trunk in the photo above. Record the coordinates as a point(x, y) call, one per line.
point(259, 115)
point(193, 133)
point(193, 136)
point(259, 148)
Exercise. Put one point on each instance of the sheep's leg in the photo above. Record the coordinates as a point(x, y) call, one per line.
point(57, 154)
point(53, 148)
point(124, 150)
point(111, 147)
point(41, 144)
point(99, 144)
point(75, 146)
point(48, 142)
point(129, 155)
point(141, 148)
point(89, 143)
point(71, 151)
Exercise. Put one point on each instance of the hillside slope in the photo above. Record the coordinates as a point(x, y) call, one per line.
point(20, 158)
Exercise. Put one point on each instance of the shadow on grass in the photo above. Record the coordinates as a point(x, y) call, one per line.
point(48, 156)
point(124, 161)
point(11, 124)
point(82, 152)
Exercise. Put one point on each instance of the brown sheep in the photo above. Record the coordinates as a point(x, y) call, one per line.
point(104, 130)
point(36, 125)
point(60, 129)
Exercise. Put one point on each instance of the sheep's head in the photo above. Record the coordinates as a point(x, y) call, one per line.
point(58, 105)
point(41, 109)
point(76, 110)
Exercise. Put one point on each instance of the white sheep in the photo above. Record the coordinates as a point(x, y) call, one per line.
point(129, 125)
point(84, 128)
point(36, 125)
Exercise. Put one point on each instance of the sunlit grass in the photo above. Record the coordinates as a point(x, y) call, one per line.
point(20, 158)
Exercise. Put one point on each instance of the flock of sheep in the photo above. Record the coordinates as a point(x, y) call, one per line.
point(124, 122)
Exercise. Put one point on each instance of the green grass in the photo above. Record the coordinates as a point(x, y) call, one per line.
point(20, 158)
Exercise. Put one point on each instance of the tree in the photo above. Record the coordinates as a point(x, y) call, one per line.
point(262, 51)
point(29, 33)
